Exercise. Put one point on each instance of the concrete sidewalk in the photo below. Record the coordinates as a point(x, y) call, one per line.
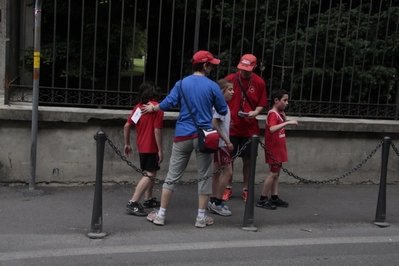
point(54, 221)
point(68, 210)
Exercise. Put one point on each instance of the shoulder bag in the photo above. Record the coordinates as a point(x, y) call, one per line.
point(208, 138)
point(243, 91)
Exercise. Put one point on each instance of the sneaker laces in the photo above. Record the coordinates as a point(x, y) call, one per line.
point(222, 206)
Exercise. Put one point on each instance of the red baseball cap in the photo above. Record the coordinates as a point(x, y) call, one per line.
point(204, 57)
point(247, 62)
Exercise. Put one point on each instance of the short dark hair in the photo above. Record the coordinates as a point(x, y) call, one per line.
point(278, 93)
point(198, 67)
point(148, 91)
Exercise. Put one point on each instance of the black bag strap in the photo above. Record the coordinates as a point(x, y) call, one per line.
point(243, 91)
point(185, 100)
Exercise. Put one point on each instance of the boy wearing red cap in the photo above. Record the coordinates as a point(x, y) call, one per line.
point(247, 103)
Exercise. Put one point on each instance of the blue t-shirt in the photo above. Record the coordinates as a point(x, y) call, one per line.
point(201, 94)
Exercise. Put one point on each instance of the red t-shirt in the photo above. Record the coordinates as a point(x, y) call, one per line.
point(255, 89)
point(275, 142)
point(145, 137)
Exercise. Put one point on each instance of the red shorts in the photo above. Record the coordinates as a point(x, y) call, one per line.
point(222, 156)
point(275, 168)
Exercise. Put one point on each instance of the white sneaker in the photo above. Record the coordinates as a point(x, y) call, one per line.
point(202, 222)
point(155, 218)
point(220, 209)
point(209, 207)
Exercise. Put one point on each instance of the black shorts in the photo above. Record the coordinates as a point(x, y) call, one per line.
point(149, 162)
point(238, 143)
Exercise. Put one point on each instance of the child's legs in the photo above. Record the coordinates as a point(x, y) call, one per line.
point(142, 186)
point(230, 181)
point(149, 164)
point(274, 189)
point(246, 160)
point(246, 168)
point(236, 144)
point(245, 154)
point(150, 188)
point(224, 181)
point(271, 181)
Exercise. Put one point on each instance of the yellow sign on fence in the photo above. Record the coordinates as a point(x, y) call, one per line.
point(36, 59)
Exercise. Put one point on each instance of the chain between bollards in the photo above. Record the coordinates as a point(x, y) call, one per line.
point(97, 216)
point(248, 223)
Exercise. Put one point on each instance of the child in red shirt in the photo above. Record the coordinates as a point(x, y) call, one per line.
point(149, 145)
point(276, 146)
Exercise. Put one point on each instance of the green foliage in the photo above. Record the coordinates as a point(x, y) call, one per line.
point(339, 49)
point(76, 54)
point(343, 50)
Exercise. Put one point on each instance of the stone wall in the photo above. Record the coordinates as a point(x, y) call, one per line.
point(318, 149)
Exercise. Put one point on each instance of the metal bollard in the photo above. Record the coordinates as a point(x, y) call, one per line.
point(248, 224)
point(96, 220)
point(381, 203)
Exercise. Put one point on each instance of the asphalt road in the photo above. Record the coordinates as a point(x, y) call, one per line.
point(324, 225)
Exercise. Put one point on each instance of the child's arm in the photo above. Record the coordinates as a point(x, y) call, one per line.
point(126, 135)
point(158, 139)
point(280, 126)
point(215, 124)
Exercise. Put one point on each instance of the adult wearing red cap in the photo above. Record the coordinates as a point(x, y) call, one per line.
point(202, 94)
point(247, 103)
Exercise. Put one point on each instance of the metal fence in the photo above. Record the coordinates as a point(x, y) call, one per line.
point(336, 58)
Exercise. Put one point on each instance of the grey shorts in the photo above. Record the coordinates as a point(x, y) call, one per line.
point(181, 153)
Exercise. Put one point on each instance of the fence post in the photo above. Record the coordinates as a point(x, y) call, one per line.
point(248, 224)
point(35, 93)
point(381, 203)
point(96, 219)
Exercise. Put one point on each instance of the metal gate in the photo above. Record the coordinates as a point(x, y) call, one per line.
point(336, 58)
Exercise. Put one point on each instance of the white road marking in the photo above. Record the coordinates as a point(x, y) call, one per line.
point(4, 256)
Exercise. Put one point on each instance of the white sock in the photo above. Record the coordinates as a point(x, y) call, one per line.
point(201, 213)
point(162, 211)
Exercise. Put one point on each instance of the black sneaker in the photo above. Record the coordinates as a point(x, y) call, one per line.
point(151, 203)
point(266, 204)
point(135, 208)
point(279, 203)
